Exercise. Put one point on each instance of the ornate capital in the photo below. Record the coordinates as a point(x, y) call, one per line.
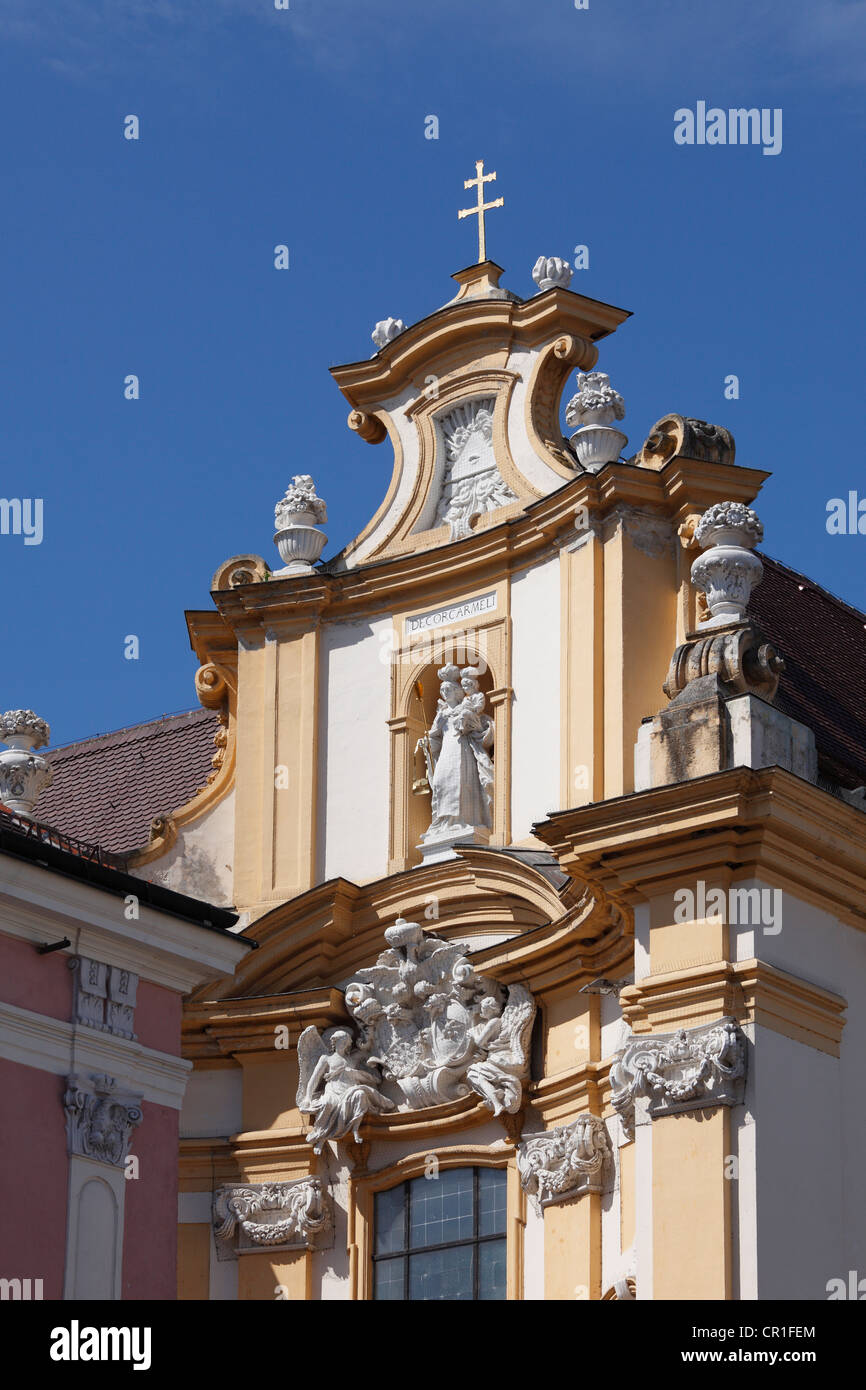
point(272, 1215)
point(691, 1069)
point(100, 1118)
point(564, 1162)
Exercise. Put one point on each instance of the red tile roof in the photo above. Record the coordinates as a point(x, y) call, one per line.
point(109, 788)
point(823, 641)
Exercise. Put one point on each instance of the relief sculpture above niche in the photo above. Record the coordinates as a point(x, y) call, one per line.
point(428, 1031)
point(472, 483)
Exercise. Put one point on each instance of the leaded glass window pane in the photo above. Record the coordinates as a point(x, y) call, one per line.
point(491, 1269)
point(440, 1208)
point(390, 1221)
point(444, 1273)
point(492, 1188)
point(442, 1237)
point(390, 1279)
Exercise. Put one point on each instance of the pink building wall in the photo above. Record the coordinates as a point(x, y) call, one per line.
point(150, 1225)
point(34, 1172)
point(42, 984)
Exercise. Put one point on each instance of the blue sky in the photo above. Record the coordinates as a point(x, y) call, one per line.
point(306, 127)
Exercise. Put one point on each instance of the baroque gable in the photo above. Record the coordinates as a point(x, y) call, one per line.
point(469, 400)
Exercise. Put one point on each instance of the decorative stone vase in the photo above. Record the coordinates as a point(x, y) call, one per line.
point(300, 547)
point(596, 445)
point(298, 539)
point(594, 408)
point(728, 571)
point(385, 331)
point(23, 773)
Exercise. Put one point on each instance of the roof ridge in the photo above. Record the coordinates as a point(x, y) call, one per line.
point(813, 583)
point(82, 743)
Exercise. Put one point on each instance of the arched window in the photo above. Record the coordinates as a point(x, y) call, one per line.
point(442, 1237)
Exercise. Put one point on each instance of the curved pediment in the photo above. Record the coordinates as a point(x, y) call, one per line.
point(469, 399)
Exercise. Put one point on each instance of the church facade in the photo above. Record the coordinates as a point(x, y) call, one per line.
point(548, 823)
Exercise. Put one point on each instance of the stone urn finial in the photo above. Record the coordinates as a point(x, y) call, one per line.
point(298, 539)
point(386, 331)
point(551, 272)
point(593, 410)
point(23, 773)
point(727, 571)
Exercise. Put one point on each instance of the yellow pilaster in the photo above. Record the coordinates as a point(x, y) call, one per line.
point(691, 1205)
point(275, 818)
point(572, 1249)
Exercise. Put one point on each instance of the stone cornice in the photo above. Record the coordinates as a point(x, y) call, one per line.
point(49, 1044)
point(233, 1026)
point(549, 937)
point(293, 606)
point(41, 907)
point(443, 338)
point(728, 825)
point(750, 991)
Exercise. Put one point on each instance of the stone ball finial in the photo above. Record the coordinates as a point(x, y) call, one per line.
point(386, 330)
point(298, 540)
point(23, 773)
point(727, 571)
point(551, 272)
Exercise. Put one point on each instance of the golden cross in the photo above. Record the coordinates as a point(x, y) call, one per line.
point(479, 181)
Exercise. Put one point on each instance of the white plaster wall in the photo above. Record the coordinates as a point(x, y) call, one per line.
point(408, 435)
point(535, 742)
point(199, 863)
point(543, 477)
point(212, 1106)
point(354, 782)
point(809, 1117)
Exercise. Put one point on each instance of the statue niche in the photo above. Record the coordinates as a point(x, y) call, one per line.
point(457, 751)
point(430, 1032)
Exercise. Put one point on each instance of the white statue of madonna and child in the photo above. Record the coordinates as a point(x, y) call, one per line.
point(459, 766)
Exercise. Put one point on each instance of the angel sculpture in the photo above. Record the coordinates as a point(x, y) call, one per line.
point(505, 1040)
point(336, 1086)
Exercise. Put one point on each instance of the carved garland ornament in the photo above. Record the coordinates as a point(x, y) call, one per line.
point(295, 1214)
point(691, 1069)
point(429, 1032)
point(564, 1162)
